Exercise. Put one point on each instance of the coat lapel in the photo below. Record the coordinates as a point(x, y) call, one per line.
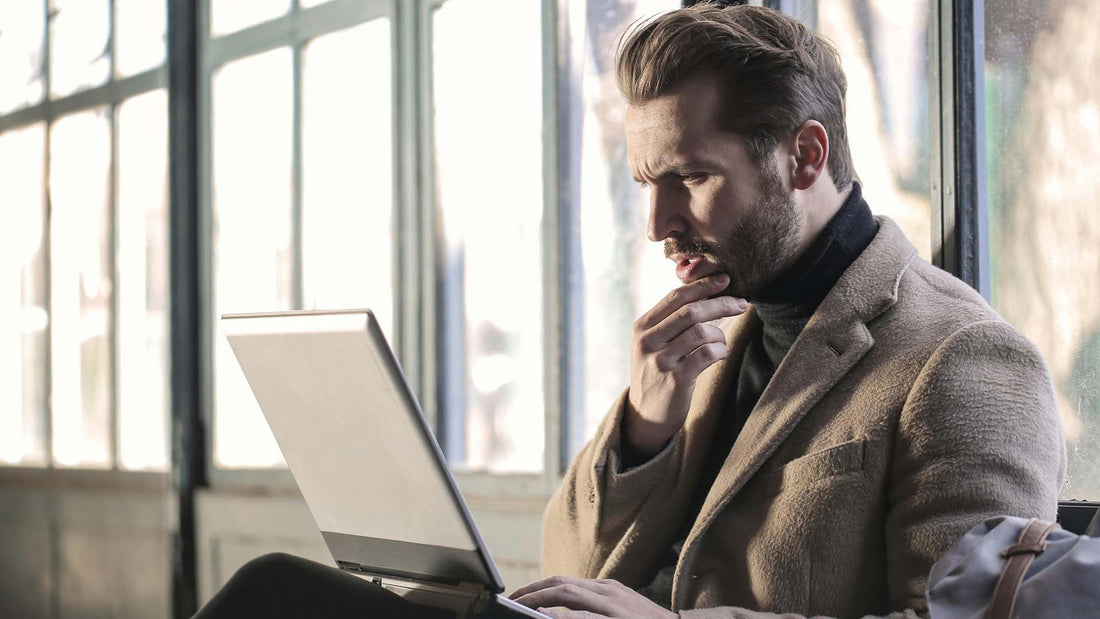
point(834, 340)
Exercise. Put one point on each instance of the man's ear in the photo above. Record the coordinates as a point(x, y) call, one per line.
point(810, 150)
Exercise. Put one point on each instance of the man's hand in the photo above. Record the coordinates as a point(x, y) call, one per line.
point(671, 345)
point(588, 599)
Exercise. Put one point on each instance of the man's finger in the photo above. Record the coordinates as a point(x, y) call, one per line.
point(679, 297)
point(702, 358)
point(572, 595)
point(565, 613)
point(695, 313)
point(542, 583)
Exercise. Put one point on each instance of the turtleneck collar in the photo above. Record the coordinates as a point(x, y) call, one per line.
point(811, 277)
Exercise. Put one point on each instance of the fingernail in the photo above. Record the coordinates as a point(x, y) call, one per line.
point(722, 279)
point(742, 304)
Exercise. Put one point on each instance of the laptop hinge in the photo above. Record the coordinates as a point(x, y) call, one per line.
point(378, 577)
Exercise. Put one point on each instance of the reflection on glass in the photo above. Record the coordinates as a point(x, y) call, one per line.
point(488, 130)
point(139, 35)
point(1043, 138)
point(624, 273)
point(232, 15)
point(142, 258)
point(80, 289)
point(23, 317)
point(253, 260)
point(883, 48)
point(79, 45)
point(347, 180)
point(22, 26)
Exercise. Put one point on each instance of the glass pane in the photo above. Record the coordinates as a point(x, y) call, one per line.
point(142, 258)
point(347, 177)
point(624, 273)
point(80, 54)
point(23, 317)
point(305, 4)
point(80, 289)
point(253, 261)
point(883, 46)
point(22, 30)
point(232, 15)
point(1043, 137)
point(489, 191)
point(139, 35)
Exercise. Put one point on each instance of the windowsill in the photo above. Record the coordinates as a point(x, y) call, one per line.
point(84, 479)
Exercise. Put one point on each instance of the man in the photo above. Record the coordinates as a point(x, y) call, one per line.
point(818, 452)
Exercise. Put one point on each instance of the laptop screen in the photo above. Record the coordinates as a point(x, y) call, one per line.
point(356, 443)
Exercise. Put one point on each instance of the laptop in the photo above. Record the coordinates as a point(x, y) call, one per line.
point(365, 459)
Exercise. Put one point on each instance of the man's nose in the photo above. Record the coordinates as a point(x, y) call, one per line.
point(665, 216)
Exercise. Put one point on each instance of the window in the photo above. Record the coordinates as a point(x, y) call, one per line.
point(624, 274)
point(1042, 137)
point(489, 204)
point(301, 184)
point(84, 283)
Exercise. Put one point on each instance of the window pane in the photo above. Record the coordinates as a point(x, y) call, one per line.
point(883, 46)
point(22, 26)
point(23, 317)
point(80, 289)
point(142, 258)
point(253, 261)
point(79, 45)
point(624, 273)
point(1043, 138)
point(139, 35)
point(489, 191)
point(347, 179)
point(232, 15)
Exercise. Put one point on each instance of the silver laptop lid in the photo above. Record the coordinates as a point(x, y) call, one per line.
point(358, 445)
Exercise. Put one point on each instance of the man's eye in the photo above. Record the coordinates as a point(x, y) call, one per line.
point(692, 179)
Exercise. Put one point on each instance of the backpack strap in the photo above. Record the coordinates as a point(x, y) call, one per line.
point(1032, 542)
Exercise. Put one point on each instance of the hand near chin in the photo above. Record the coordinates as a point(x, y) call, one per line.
point(671, 345)
point(564, 597)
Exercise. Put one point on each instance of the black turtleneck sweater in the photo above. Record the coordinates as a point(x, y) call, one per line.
point(784, 309)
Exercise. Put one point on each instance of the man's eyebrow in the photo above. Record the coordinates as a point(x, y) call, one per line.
point(676, 169)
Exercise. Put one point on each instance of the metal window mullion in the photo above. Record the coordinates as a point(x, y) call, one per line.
point(407, 221)
point(296, 269)
point(556, 95)
point(430, 241)
point(114, 366)
point(971, 227)
point(111, 92)
point(187, 299)
point(47, 239)
point(569, 139)
point(296, 27)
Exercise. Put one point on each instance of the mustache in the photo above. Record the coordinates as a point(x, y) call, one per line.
point(676, 245)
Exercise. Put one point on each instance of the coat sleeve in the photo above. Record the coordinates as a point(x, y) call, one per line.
point(594, 507)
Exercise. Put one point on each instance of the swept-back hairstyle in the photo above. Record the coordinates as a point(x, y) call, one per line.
point(774, 73)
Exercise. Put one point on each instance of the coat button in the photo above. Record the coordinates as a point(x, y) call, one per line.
point(592, 497)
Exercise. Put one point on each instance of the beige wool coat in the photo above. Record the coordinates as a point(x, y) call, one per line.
point(906, 412)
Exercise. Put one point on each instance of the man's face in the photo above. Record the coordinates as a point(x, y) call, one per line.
point(712, 205)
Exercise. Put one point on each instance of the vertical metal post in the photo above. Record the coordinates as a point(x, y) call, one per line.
point(970, 234)
point(188, 453)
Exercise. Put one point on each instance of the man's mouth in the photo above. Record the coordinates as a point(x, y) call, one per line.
point(690, 267)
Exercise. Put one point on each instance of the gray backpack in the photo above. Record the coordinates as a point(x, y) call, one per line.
point(1013, 567)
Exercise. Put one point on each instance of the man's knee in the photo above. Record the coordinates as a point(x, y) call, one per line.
point(270, 568)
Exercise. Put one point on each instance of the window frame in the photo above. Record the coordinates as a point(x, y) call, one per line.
point(108, 96)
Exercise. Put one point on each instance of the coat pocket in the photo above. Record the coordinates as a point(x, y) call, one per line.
point(832, 461)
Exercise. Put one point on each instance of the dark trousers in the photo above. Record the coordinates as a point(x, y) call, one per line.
point(278, 586)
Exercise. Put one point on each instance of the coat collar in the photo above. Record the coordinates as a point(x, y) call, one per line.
point(834, 340)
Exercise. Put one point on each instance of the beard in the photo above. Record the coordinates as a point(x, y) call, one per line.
point(761, 247)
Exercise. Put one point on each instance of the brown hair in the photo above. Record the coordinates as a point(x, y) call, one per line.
point(774, 73)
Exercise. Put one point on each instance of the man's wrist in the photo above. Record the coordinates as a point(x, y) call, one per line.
point(642, 438)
